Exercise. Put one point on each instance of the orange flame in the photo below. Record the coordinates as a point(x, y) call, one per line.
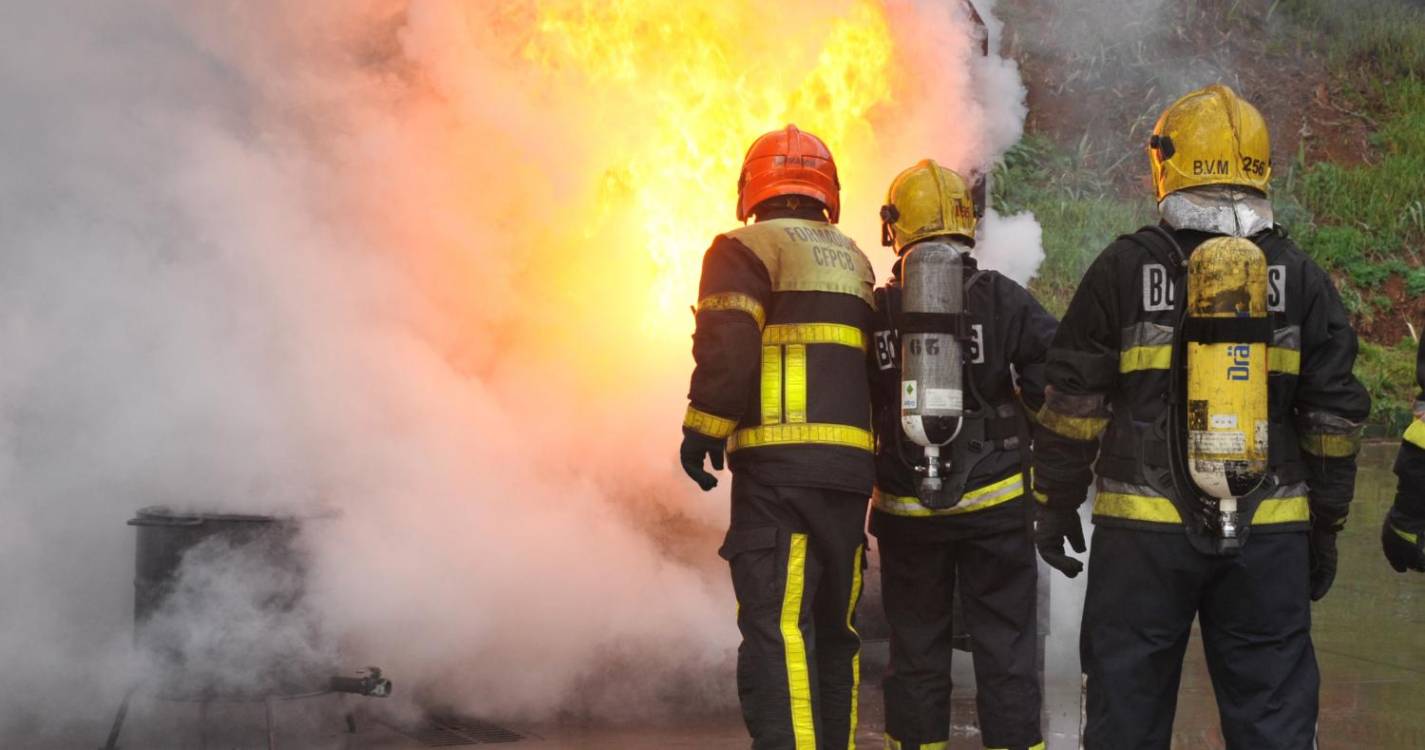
point(695, 84)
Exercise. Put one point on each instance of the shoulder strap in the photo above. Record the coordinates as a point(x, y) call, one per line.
point(1161, 244)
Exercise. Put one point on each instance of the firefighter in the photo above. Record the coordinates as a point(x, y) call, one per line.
point(783, 321)
point(1403, 534)
point(1164, 553)
point(976, 534)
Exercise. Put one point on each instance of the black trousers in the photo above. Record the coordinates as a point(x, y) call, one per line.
point(1144, 588)
point(998, 580)
point(797, 555)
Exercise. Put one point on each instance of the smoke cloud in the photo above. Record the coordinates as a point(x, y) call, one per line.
point(367, 255)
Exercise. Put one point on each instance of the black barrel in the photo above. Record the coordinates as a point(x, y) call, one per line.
point(232, 546)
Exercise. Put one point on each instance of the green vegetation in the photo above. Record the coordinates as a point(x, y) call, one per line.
point(1383, 37)
point(1364, 222)
point(1388, 372)
point(1368, 220)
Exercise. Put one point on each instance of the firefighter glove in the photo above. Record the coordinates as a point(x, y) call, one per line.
point(1323, 561)
point(1054, 526)
point(1403, 541)
point(695, 448)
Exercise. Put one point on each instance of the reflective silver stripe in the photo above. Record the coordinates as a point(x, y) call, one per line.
point(1287, 338)
point(1146, 334)
point(1124, 488)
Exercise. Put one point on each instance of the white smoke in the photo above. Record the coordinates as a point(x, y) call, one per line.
point(273, 257)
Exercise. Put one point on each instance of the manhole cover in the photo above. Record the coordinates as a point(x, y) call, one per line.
point(450, 730)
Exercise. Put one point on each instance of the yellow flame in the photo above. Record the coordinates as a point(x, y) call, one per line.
point(696, 83)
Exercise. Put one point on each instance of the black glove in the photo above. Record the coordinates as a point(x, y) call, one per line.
point(1052, 527)
point(1403, 541)
point(1323, 561)
point(695, 447)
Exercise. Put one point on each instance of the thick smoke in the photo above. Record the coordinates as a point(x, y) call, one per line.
point(281, 257)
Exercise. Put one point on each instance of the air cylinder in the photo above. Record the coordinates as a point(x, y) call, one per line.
point(1227, 332)
point(932, 363)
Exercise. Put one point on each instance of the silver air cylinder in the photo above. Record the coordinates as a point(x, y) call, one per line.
point(932, 366)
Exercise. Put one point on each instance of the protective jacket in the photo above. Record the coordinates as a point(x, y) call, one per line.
point(1010, 337)
point(1410, 461)
point(783, 320)
point(1111, 386)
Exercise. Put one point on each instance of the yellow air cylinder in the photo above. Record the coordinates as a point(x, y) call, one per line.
point(1227, 331)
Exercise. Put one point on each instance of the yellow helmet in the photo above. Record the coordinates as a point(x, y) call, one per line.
point(926, 201)
point(1210, 137)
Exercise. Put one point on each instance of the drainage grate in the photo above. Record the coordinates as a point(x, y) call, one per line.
point(450, 730)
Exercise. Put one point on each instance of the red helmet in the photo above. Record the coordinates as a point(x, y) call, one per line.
point(788, 162)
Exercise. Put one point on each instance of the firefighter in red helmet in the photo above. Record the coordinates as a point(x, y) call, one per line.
point(783, 319)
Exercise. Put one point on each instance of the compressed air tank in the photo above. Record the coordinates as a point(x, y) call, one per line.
point(932, 367)
point(1226, 332)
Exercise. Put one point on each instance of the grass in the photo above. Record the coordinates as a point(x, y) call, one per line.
point(1388, 372)
point(1385, 37)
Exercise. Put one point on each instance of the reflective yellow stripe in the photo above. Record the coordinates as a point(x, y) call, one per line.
point(1331, 446)
point(771, 384)
point(894, 744)
point(1161, 510)
point(814, 333)
point(1282, 510)
point(798, 673)
point(1284, 360)
point(1074, 428)
point(1415, 434)
point(796, 368)
point(1136, 507)
point(856, 657)
point(733, 301)
point(708, 424)
point(988, 496)
point(1041, 498)
point(1407, 536)
point(1145, 358)
point(792, 434)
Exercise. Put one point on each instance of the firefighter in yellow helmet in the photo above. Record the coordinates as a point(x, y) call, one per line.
point(971, 532)
point(783, 321)
point(1203, 372)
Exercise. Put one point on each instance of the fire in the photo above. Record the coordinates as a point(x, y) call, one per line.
point(693, 84)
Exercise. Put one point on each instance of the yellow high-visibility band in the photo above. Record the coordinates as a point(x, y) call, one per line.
point(1136, 507)
point(894, 744)
point(1407, 536)
point(1415, 434)
point(794, 646)
point(1145, 358)
point(771, 384)
point(1282, 510)
point(734, 301)
point(1074, 428)
point(989, 496)
point(1331, 446)
point(782, 334)
point(1286, 361)
point(796, 383)
point(794, 434)
point(708, 424)
point(851, 627)
point(1041, 498)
